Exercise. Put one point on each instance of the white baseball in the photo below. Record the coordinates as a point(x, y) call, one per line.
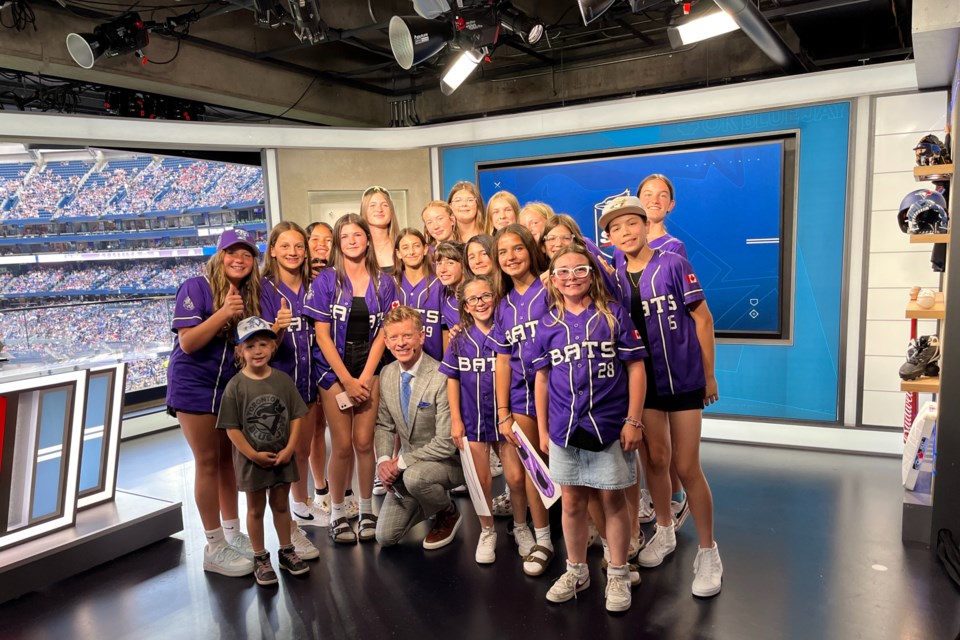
point(926, 298)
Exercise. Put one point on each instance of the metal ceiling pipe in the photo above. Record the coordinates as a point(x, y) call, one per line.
point(758, 29)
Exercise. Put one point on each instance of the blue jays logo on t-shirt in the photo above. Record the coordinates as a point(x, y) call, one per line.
point(265, 420)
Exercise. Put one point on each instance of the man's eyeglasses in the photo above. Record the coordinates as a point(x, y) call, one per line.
point(473, 301)
point(563, 273)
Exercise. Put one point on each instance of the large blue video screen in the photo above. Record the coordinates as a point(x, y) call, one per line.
point(729, 213)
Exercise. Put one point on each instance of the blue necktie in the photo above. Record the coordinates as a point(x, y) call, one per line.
point(405, 393)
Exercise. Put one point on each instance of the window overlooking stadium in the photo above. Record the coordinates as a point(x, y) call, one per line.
point(94, 244)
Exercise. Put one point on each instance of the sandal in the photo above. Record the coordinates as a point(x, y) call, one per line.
point(367, 528)
point(341, 532)
point(536, 563)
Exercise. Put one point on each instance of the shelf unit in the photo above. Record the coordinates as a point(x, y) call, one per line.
point(921, 385)
point(933, 172)
point(930, 238)
point(937, 312)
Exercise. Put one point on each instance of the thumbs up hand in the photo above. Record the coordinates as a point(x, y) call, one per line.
point(233, 303)
point(284, 316)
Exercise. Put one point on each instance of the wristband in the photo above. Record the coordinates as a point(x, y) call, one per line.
point(633, 422)
point(500, 422)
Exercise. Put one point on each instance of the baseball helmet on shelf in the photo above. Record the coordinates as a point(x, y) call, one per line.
point(927, 216)
point(913, 198)
point(930, 150)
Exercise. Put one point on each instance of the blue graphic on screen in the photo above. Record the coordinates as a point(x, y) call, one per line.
point(727, 213)
point(94, 423)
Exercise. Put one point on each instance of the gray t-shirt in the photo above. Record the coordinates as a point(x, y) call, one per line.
point(263, 409)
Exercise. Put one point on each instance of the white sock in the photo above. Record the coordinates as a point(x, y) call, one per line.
point(606, 549)
point(338, 511)
point(231, 529)
point(543, 537)
point(490, 528)
point(300, 507)
point(215, 537)
point(519, 525)
point(366, 505)
point(580, 568)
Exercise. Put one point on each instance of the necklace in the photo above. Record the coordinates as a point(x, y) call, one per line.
point(635, 281)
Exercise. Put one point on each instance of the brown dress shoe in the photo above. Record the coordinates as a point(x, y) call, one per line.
point(444, 528)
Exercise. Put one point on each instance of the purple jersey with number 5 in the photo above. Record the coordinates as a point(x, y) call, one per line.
point(196, 380)
point(426, 297)
point(471, 360)
point(513, 333)
point(294, 356)
point(668, 288)
point(587, 380)
point(329, 301)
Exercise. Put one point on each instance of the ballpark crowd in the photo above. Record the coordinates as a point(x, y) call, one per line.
point(444, 353)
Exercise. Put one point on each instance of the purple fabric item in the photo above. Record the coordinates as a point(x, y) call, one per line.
point(668, 287)
point(513, 333)
point(231, 237)
point(587, 378)
point(449, 310)
point(427, 298)
point(471, 360)
point(294, 356)
point(195, 381)
point(330, 302)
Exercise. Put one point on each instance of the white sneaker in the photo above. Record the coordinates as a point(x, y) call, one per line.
point(663, 543)
point(573, 581)
point(241, 543)
point(709, 572)
point(592, 534)
point(352, 506)
point(304, 548)
point(226, 561)
point(378, 488)
point(524, 539)
point(618, 589)
point(502, 506)
point(487, 547)
point(323, 502)
point(496, 467)
point(680, 511)
point(314, 517)
point(647, 513)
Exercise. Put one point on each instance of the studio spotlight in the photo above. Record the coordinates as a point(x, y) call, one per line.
point(530, 29)
point(414, 39)
point(593, 9)
point(460, 70)
point(699, 29)
point(431, 8)
point(126, 34)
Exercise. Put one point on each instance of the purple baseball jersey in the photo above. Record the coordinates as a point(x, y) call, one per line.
point(195, 381)
point(666, 242)
point(294, 356)
point(426, 297)
point(513, 333)
point(471, 359)
point(330, 301)
point(668, 287)
point(587, 380)
point(449, 309)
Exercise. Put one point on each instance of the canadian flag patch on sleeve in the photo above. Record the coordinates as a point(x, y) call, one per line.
point(636, 334)
point(395, 304)
point(692, 278)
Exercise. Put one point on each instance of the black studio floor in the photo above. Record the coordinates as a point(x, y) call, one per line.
point(810, 545)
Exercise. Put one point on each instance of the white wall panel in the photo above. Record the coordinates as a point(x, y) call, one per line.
point(885, 408)
point(887, 304)
point(886, 237)
point(880, 373)
point(890, 337)
point(889, 188)
point(902, 270)
point(910, 113)
point(890, 150)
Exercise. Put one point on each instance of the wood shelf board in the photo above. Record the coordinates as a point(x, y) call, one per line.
point(921, 385)
point(933, 172)
point(930, 238)
point(936, 312)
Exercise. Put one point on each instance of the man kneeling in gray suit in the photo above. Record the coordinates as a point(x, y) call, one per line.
point(414, 404)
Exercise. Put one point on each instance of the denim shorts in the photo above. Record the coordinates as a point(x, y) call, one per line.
point(610, 469)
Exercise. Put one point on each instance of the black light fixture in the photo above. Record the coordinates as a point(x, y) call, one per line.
point(414, 39)
point(125, 34)
point(593, 9)
point(530, 29)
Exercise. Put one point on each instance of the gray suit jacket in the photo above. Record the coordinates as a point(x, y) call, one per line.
point(427, 437)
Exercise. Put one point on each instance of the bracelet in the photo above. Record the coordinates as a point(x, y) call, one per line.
point(633, 422)
point(504, 420)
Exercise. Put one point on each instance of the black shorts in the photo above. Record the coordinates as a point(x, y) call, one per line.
point(355, 355)
point(172, 412)
point(686, 401)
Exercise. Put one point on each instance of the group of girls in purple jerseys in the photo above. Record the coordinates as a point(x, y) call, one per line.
point(593, 358)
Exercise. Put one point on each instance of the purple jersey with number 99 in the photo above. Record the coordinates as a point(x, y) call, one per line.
point(426, 297)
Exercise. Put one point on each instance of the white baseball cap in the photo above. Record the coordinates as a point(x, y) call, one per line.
point(251, 326)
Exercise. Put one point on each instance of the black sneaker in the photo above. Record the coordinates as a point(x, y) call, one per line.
point(263, 571)
point(291, 562)
point(923, 355)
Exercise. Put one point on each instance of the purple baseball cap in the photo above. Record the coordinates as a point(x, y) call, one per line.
point(232, 237)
